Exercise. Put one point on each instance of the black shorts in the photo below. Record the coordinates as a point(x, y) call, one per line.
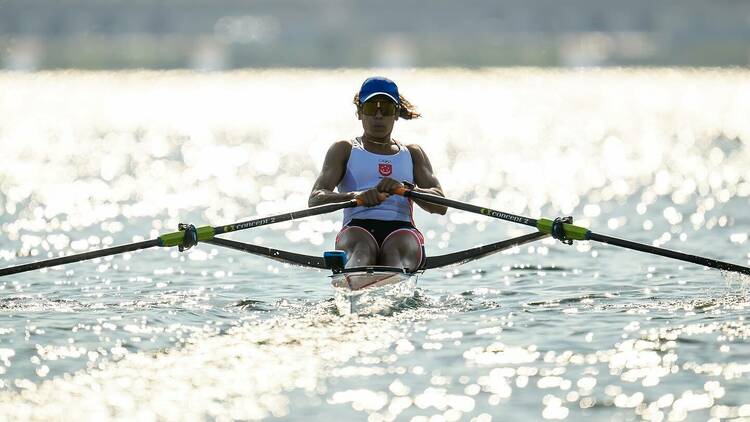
point(381, 229)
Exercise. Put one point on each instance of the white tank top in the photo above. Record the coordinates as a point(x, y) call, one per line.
point(364, 171)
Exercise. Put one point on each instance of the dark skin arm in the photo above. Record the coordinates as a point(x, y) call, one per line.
point(333, 170)
point(424, 179)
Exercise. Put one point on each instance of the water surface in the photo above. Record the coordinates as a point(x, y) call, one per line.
point(546, 331)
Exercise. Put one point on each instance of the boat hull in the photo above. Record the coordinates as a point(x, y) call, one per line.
point(371, 290)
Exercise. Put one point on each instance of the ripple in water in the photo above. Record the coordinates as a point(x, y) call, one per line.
point(542, 332)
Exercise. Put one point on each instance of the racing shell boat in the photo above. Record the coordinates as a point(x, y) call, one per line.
point(368, 290)
point(358, 285)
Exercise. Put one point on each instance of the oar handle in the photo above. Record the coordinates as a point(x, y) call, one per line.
point(401, 191)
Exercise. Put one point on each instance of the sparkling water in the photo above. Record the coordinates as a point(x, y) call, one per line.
point(545, 331)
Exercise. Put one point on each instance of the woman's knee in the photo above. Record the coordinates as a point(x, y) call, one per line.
point(401, 245)
point(356, 240)
point(402, 240)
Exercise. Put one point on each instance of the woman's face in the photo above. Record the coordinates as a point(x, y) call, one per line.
point(378, 116)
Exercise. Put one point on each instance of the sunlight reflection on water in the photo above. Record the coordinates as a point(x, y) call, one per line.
point(96, 159)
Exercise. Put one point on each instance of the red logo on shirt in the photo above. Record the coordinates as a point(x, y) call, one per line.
point(385, 169)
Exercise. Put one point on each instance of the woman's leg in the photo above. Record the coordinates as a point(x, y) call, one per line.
point(361, 248)
point(404, 248)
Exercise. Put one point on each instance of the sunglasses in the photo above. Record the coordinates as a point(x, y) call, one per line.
point(386, 108)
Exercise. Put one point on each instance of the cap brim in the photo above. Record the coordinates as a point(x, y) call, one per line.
point(374, 94)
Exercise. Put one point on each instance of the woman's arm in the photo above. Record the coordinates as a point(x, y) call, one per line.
point(334, 167)
point(425, 180)
point(333, 170)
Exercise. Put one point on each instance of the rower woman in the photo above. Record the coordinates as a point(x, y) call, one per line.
point(368, 168)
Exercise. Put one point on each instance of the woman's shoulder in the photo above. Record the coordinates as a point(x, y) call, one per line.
point(413, 148)
point(344, 143)
point(340, 149)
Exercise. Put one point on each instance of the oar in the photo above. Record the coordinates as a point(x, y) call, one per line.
point(574, 232)
point(182, 238)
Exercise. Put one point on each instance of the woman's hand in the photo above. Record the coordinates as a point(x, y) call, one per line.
point(371, 197)
point(388, 185)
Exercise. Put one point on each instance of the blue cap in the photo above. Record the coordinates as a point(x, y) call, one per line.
point(378, 85)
